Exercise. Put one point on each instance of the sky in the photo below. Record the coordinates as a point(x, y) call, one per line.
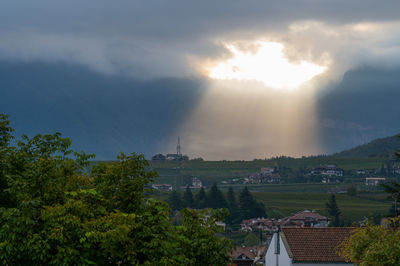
point(265, 64)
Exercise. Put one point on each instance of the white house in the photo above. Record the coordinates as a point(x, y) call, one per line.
point(307, 246)
point(328, 170)
point(166, 187)
point(196, 183)
point(267, 170)
point(374, 181)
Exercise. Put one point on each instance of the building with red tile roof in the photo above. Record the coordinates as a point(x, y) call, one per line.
point(265, 224)
point(243, 255)
point(302, 219)
point(308, 246)
point(306, 219)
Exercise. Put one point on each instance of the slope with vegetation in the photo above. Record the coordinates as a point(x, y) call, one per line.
point(293, 170)
point(383, 147)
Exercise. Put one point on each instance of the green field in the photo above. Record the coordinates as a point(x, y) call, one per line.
point(353, 208)
point(283, 200)
point(286, 198)
point(293, 187)
point(209, 171)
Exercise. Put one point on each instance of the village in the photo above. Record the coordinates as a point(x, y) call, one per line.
point(328, 174)
point(288, 240)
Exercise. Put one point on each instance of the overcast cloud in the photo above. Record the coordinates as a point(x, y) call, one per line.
point(149, 39)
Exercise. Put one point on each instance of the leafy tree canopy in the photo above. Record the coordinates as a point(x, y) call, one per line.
point(57, 214)
point(373, 245)
point(251, 239)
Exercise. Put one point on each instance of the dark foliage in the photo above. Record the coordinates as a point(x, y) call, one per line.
point(333, 211)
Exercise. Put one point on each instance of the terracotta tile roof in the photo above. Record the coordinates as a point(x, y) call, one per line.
point(310, 244)
point(307, 215)
point(249, 252)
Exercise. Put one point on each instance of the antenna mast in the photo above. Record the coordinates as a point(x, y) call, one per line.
point(178, 147)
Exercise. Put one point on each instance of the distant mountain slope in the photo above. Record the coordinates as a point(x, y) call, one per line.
point(102, 114)
point(106, 114)
point(384, 147)
point(364, 106)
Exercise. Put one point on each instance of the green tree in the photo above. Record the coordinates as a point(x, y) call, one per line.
point(215, 198)
point(5, 138)
point(251, 239)
point(373, 245)
point(393, 189)
point(58, 214)
point(392, 210)
point(333, 211)
point(233, 207)
point(175, 201)
point(188, 200)
point(201, 199)
point(123, 182)
point(198, 238)
point(232, 203)
point(249, 207)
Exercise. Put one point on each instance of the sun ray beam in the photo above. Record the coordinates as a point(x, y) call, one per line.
point(268, 65)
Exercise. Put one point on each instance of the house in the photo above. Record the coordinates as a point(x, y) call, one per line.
point(172, 157)
point(265, 224)
point(361, 172)
point(274, 178)
point(306, 219)
point(165, 187)
point(330, 170)
point(330, 179)
point(301, 219)
point(267, 170)
point(396, 170)
point(208, 215)
point(222, 224)
point(158, 158)
point(262, 178)
point(265, 176)
point(374, 181)
point(307, 246)
point(243, 255)
point(196, 183)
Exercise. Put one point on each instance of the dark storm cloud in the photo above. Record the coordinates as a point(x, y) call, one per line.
point(155, 37)
point(102, 114)
point(150, 40)
point(173, 19)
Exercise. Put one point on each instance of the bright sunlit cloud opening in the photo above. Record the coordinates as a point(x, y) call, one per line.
point(268, 65)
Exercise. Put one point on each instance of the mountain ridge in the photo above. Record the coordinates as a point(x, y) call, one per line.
point(380, 147)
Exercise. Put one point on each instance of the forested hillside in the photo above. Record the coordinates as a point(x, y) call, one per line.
point(383, 147)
